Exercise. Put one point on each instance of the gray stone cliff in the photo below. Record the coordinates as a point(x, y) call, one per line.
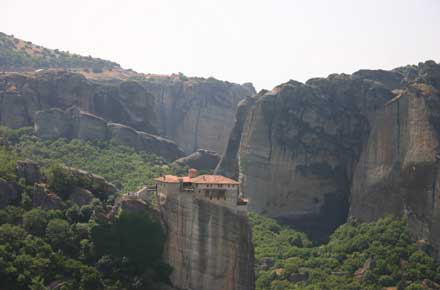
point(196, 113)
point(363, 145)
point(21, 95)
point(74, 123)
point(209, 246)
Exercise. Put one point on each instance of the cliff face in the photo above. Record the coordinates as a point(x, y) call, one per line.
point(195, 112)
point(74, 123)
point(21, 95)
point(362, 143)
point(398, 171)
point(209, 246)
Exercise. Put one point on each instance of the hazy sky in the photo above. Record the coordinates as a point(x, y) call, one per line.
point(264, 42)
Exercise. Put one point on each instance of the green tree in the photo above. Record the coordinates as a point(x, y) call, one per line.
point(59, 234)
point(35, 221)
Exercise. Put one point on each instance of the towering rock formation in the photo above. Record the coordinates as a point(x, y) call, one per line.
point(21, 95)
point(364, 143)
point(74, 123)
point(195, 112)
point(209, 245)
point(398, 171)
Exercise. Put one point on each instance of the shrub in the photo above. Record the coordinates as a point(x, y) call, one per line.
point(35, 221)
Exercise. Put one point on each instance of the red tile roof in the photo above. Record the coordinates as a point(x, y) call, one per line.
point(202, 179)
point(213, 179)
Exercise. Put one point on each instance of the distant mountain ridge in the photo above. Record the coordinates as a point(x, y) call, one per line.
point(20, 55)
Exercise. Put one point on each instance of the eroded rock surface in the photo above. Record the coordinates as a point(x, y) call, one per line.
point(201, 159)
point(21, 95)
point(74, 123)
point(209, 246)
point(9, 193)
point(364, 144)
point(196, 112)
point(193, 112)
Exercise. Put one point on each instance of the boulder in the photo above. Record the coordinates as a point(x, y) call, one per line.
point(9, 193)
point(160, 146)
point(92, 182)
point(201, 160)
point(266, 263)
point(124, 135)
point(298, 277)
point(81, 196)
point(52, 124)
point(134, 206)
point(29, 171)
point(86, 126)
point(42, 198)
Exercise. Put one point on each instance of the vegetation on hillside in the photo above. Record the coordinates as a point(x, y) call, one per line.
point(18, 54)
point(77, 247)
point(127, 169)
point(358, 256)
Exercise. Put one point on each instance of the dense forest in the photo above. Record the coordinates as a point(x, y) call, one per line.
point(358, 256)
point(77, 246)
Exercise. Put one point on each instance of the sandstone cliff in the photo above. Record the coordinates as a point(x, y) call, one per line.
point(74, 123)
point(195, 112)
point(21, 95)
point(209, 246)
point(201, 160)
point(364, 143)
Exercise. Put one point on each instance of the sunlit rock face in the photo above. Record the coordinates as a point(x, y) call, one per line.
point(196, 112)
point(398, 171)
point(209, 246)
point(363, 145)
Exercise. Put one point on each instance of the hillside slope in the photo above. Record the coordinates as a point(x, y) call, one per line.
point(20, 55)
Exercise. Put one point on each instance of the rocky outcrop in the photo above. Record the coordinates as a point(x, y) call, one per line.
point(201, 160)
point(398, 171)
point(29, 171)
point(74, 123)
point(296, 148)
point(21, 95)
point(209, 246)
point(9, 193)
point(195, 112)
point(92, 182)
point(364, 144)
point(81, 196)
point(228, 165)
